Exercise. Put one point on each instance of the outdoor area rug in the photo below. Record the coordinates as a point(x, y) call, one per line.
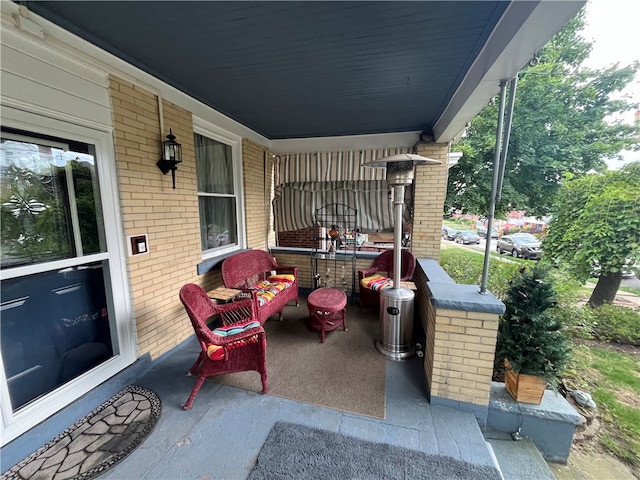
point(96, 442)
point(305, 453)
point(345, 373)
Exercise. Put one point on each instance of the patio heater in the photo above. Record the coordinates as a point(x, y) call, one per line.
point(396, 303)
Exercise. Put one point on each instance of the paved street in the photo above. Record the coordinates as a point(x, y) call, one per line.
point(481, 246)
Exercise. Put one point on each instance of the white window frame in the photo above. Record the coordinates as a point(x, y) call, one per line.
point(209, 130)
point(13, 424)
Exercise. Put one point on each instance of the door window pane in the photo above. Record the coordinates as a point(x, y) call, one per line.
point(54, 327)
point(48, 203)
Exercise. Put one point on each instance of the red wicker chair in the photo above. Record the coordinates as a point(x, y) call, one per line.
point(383, 264)
point(236, 352)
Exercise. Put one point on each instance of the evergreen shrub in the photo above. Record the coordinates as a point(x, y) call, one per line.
point(530, 336)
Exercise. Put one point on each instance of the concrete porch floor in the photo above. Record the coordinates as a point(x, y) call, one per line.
point(221, 436)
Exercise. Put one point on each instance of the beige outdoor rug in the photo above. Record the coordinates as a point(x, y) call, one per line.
point(345, 373)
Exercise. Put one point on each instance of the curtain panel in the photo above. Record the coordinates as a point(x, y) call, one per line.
point(308, 181)
point(216, 196)
point(295, 204)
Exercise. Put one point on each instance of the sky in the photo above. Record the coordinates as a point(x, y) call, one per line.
point(612, 27)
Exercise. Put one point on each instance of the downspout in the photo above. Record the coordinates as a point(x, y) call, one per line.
point(266, 202)
point(160, 114)
point(499, 159)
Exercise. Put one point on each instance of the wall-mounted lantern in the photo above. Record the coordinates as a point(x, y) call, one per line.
point(171, 157)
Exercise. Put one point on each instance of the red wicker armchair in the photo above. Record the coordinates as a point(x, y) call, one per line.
point(225, 349)
point(383, 264)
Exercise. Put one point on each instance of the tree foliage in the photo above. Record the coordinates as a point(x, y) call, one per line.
point(596, 220)
point(561, 124)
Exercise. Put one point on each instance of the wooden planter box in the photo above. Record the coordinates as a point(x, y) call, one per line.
point(524, 388)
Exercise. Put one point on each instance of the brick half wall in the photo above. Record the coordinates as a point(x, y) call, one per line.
point(461, 327)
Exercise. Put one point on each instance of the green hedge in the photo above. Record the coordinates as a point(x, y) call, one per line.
point(609, 323)
point(613, 323)
point(466, 267)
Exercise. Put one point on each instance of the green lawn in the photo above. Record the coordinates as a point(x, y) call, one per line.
point(635, 291)
point(613, 379)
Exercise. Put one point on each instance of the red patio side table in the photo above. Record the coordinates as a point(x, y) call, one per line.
point(327, 308)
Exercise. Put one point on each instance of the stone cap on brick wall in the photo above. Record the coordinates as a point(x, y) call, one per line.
point(447, 294)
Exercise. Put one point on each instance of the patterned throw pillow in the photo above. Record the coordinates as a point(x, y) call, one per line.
point(283, 278)
point(268, 289)
point(376, 282)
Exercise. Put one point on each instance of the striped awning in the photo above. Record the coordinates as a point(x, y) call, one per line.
point(331, 166)
point(308, 181)
point(295, 204)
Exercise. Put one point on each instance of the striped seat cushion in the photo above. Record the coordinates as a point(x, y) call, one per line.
point(268, 289)
point(376, 282)
point(217, 352)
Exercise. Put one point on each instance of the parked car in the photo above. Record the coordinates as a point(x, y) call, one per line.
point(630, 269)
point(482, 232)
point(522, 245)
point(467, 237)
point(449, 233)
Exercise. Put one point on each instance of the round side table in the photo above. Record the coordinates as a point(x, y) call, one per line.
point(327, 308)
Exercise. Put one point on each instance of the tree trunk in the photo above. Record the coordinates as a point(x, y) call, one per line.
point(606, 289)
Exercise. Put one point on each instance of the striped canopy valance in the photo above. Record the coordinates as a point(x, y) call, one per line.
point(331, 166)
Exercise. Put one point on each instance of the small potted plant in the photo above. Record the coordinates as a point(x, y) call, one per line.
point(530, 339)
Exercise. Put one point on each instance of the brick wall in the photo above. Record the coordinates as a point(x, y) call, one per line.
point(258, 189)
point(463, 355)
point(149, 205)
point(305, 274)
point(430, 192)
point(302, 238)
point(459, 350)
point(170, 217)
point(427, 315)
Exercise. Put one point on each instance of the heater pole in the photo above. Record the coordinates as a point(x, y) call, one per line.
point(398, 200)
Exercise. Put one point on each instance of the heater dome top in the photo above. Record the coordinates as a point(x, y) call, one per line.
point(401, 160)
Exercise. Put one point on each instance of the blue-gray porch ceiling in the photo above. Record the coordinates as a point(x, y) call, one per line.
point(317, 69)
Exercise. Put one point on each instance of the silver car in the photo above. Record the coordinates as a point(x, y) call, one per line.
point(467, 237)
point(449, 233)
point(522, 245)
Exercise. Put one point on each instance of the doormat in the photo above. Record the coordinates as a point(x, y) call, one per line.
point(305, 453)
point(96, 442)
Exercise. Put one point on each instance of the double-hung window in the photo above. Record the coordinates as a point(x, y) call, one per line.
point(218, 193)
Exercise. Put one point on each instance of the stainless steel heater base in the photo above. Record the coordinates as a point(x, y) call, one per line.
point(396, 323)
